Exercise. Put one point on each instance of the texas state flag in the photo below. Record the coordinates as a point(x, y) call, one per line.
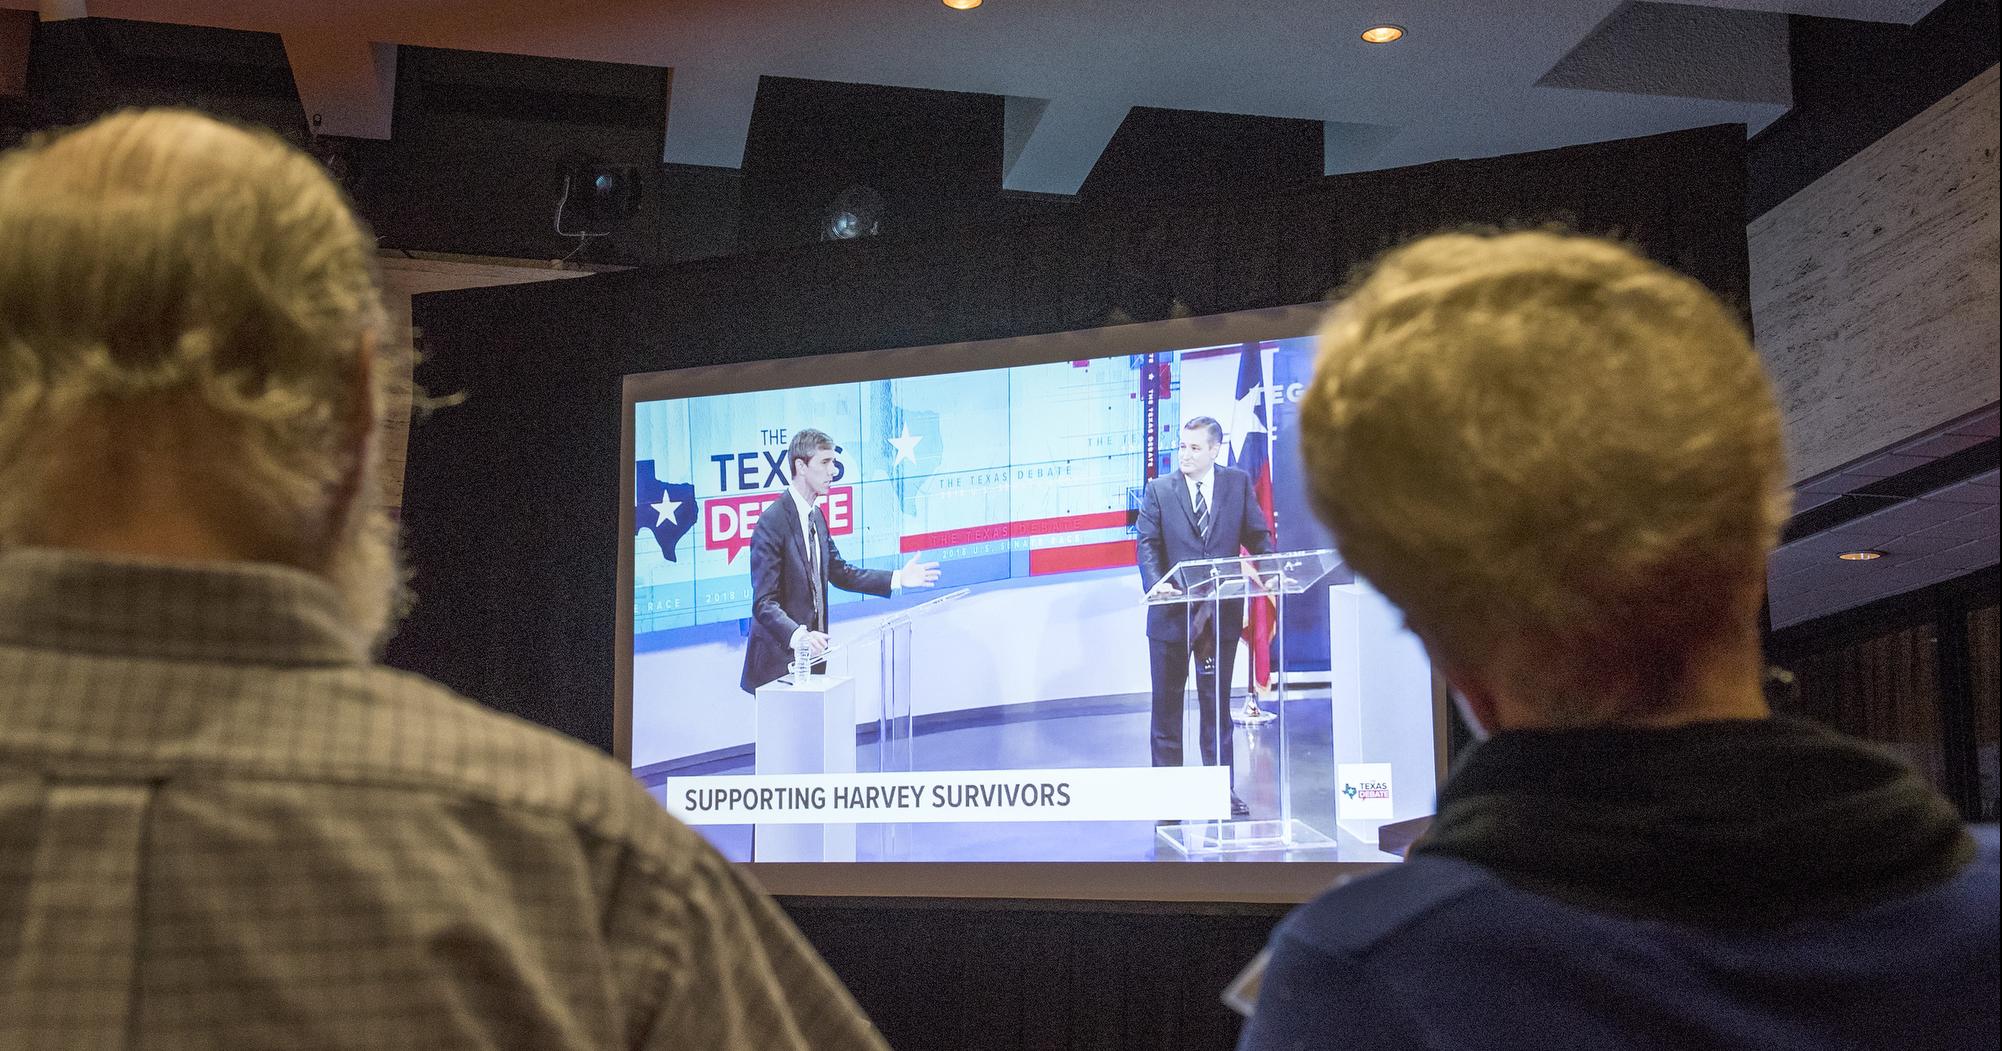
point(1251, 453)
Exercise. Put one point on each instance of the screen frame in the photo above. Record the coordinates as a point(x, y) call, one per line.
point(1252, 882)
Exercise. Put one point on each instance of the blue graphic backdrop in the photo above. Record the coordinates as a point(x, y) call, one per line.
point(996, 474)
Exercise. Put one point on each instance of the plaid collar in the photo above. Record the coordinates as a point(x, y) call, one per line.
point(228, 612)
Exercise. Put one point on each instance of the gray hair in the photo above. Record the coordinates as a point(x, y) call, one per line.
point(180, 291)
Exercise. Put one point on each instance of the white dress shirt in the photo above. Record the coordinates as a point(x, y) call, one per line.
point(810, 533)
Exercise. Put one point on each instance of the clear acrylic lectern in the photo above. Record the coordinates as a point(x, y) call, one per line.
point(806, 724)
point(892, 638)
point(1208, 589)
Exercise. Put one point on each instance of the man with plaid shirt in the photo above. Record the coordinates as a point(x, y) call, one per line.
point(221, 823)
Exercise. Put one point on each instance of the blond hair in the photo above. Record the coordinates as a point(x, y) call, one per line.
point(1561, 460)
point(182, 292)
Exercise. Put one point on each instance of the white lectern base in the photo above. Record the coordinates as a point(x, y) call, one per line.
point(805, 728)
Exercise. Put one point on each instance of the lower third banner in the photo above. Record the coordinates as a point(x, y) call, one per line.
point(1195, 793)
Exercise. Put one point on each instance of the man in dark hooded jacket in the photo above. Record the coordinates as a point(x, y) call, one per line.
point(1563, 463)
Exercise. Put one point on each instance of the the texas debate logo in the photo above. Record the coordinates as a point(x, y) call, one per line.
point(666, 509)
point(1366, 790)
point(730, 521)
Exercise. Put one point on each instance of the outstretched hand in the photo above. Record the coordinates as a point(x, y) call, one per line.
point(916, 574)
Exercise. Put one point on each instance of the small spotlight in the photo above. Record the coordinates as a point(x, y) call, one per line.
point(598, 199)
point(962, 5)
point(856, 212)
point(1860, 556)
point(1378, 34)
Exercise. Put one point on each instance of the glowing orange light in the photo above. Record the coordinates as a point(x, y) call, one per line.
point(1382, 34)
point(1859, 556)
point(962, 5)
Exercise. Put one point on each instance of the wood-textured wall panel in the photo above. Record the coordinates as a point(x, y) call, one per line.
point(1874, 289)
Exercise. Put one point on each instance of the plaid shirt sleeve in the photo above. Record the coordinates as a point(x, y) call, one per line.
point(738, 974)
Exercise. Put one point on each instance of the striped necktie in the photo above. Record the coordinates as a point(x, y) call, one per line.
point(1202, 512)
point(813, 565)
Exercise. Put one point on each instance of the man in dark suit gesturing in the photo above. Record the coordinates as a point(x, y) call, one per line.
point(1200, 511)
point(793, 561)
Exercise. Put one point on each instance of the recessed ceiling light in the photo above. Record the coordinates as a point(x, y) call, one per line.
point(1382, 34)
point(1859, 556)
point(962, 5)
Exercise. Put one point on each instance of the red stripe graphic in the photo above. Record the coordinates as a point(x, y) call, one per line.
point(1109, 555)
point(1009, 530)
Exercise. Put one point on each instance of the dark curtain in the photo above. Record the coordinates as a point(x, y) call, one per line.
point(973, 976)
point(1915, 673)
point(1985, 693)
point(1883, 689)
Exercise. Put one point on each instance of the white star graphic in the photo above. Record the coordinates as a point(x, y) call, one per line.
point(668, 510)
point(906, 445)
point(1244, 421)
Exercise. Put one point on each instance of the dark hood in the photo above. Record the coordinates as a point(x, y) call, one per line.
point(1739, 823)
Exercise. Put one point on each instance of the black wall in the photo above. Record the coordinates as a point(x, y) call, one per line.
point(511, 499)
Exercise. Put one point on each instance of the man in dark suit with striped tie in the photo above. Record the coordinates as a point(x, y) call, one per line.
point(793, 561)
point(1200, 511)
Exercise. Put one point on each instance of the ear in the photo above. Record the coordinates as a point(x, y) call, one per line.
point(1476, 700)
point(364, 411)
point(358, 430)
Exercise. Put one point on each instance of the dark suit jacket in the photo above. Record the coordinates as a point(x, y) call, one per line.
point(782, 587)
point(1168, 535)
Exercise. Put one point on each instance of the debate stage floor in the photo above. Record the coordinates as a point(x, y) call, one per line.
point(1093, 737)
